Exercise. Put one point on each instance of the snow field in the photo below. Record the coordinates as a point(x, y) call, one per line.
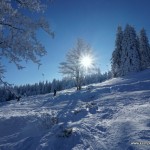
point(110, 115)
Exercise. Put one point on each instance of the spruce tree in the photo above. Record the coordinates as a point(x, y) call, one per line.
point(144, 49)
point(130, 58)
point(116, 55)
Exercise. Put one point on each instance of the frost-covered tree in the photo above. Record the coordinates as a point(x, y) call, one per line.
point(95, 77)
point(67, 83)
point(54, 85)
point(72, 66)
point(144, 49)
point(19, 22)
point(116, 55)
point(130, 58)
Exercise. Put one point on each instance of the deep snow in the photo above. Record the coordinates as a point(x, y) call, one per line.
point(113, 115)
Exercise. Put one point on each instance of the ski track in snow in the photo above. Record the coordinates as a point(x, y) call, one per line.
point(109, 116)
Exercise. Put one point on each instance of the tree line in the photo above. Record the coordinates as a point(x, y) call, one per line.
point(48, 87)
point(131, 53)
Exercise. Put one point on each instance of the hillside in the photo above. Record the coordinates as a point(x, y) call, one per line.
point(113, 115)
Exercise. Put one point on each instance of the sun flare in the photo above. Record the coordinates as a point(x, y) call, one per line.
point(86, 61)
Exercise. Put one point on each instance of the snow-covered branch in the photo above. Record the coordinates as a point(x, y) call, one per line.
point(18, 31)
point(11, 26)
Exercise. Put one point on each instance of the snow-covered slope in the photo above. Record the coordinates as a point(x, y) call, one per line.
point(113, 115)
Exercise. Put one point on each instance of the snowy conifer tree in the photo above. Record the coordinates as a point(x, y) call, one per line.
point(116, 55)
point(130, 58)
point(54, 85)
point(144, 49)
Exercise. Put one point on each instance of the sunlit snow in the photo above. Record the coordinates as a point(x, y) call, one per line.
point(113, 115)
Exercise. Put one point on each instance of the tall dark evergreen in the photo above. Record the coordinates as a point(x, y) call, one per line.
point(116, 55)
point(144, 49)
point(130, 57)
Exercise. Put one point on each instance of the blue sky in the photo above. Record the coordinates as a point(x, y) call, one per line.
point(95, 21)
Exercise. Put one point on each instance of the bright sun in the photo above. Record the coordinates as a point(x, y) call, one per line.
point(86, 61)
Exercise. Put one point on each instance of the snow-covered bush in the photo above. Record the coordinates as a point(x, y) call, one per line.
point(66, 132)
point(90, 105)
